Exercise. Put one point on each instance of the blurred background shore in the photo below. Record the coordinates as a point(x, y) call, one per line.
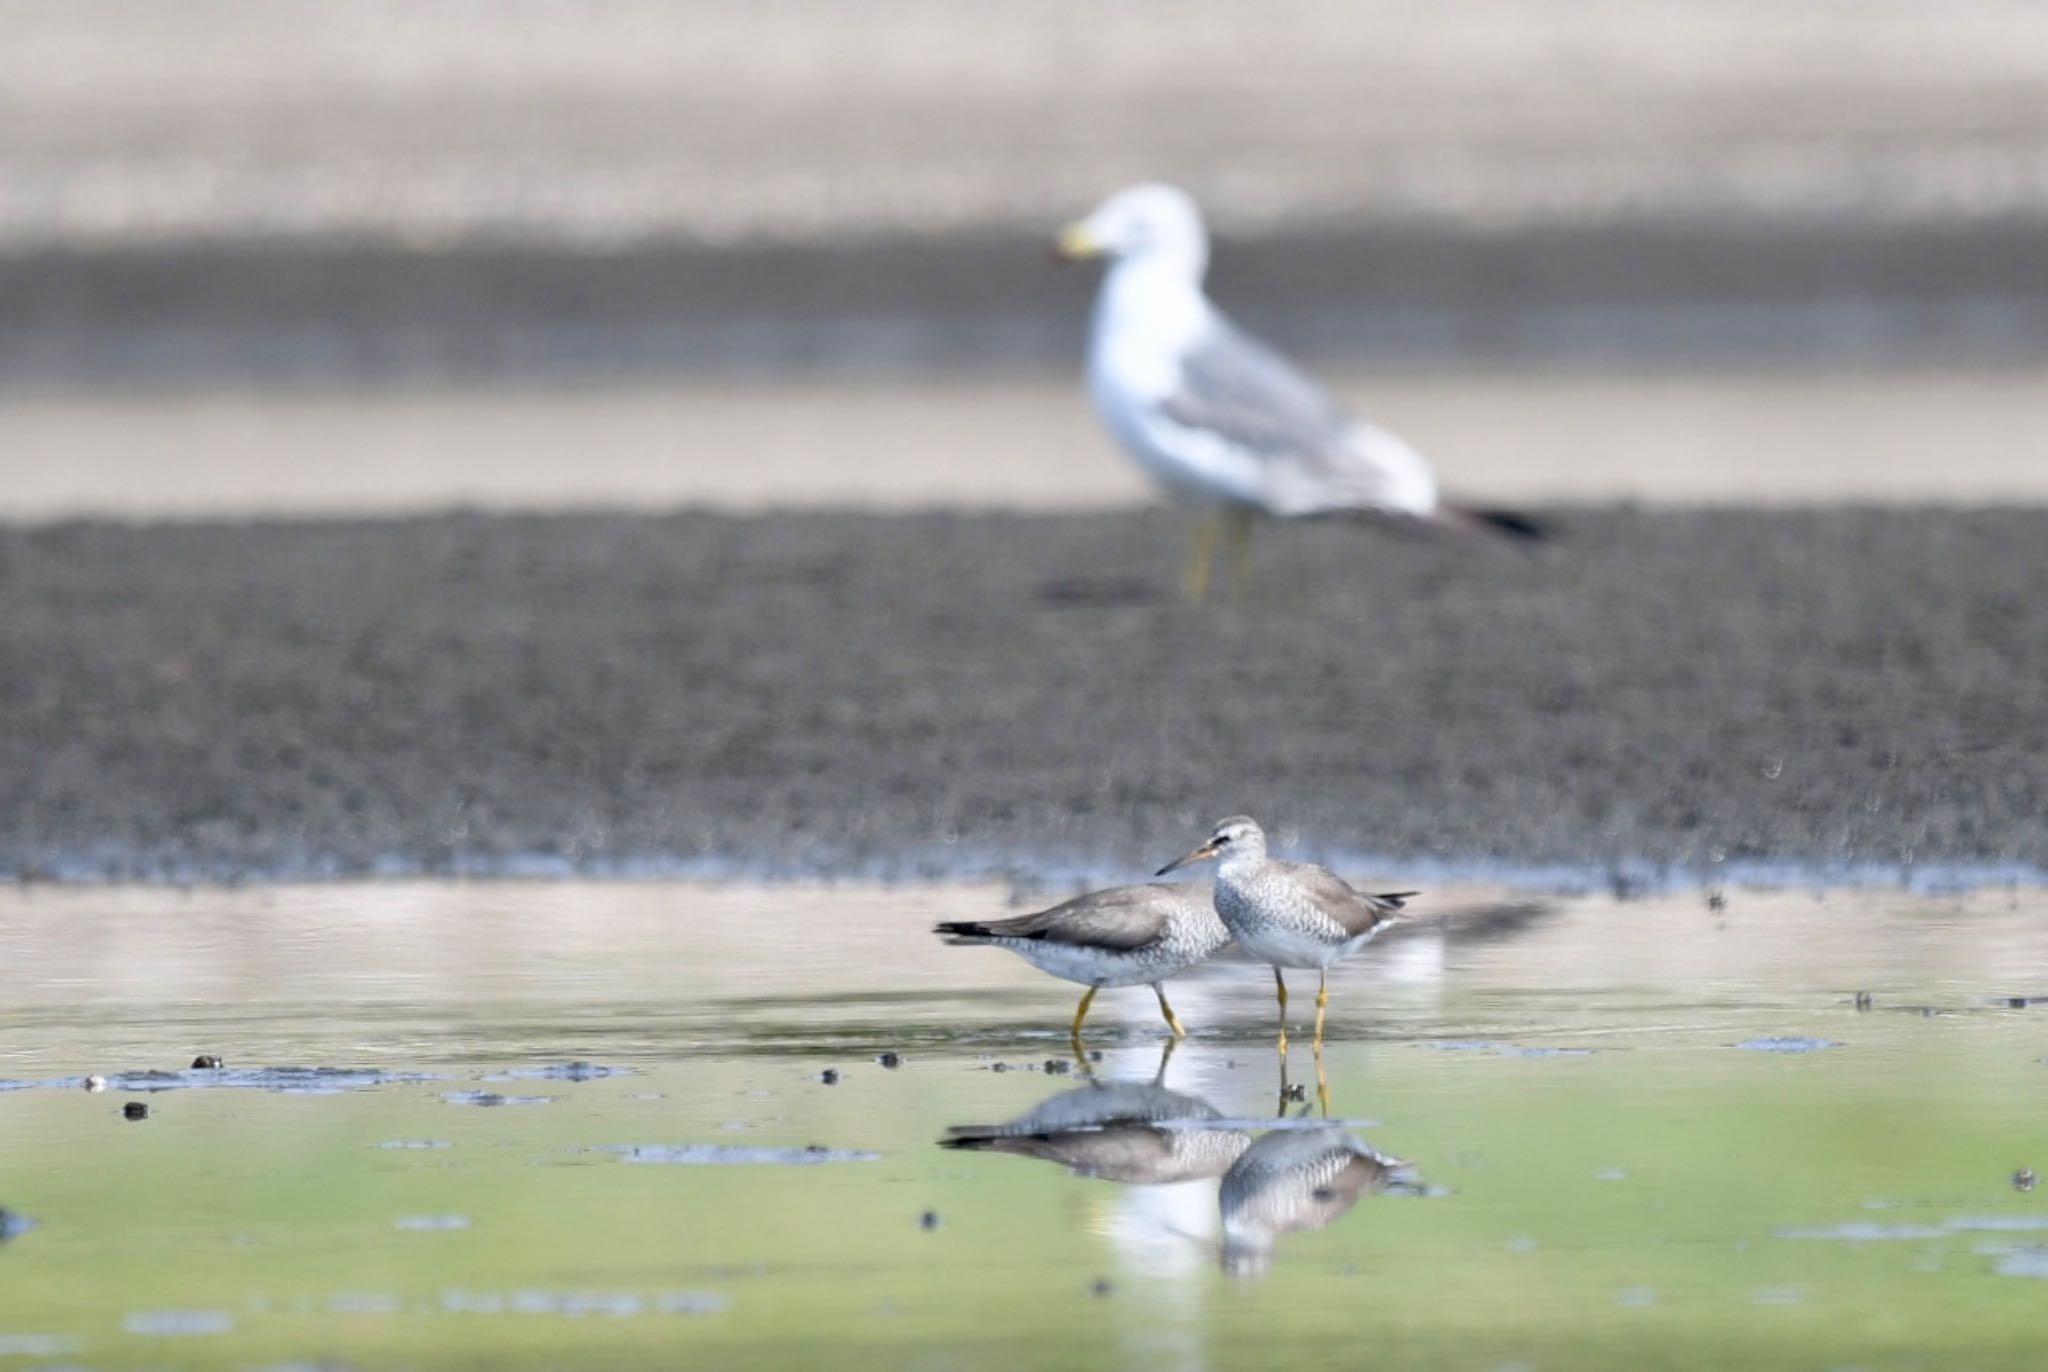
point(296, 189)
point(767, 288)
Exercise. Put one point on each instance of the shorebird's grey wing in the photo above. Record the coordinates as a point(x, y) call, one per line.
point(1123, 919)
point(1356, 910)
point(1310, 455)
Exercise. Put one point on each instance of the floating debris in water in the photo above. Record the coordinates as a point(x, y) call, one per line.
point(13, 1224)
point(429, 1223)
point(714, 1154)
point(617, 1304)
point(135, 1110)
point(928, 1220)
point(1058, 1067)
point(1864, 1000)
point(2025, 1179)
point(207, 1062)
point(559, 1071)
point(310, 1080)
point(1717, 901)
point(830, 1076)
point(415, 1143)
point(1505, 1050)
point(2031, 1262)
point(1787, 1044)
point(890, 1060)
point(178, 1322)
point(2021, 1002)
point(363, 1303)
point(37, 1345)
point(491, 1098)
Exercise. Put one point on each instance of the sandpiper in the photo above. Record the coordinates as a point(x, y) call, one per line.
point(1125, 936)
point(1137, 1133)
point(1289, 914)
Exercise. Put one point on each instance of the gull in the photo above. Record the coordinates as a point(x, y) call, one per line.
point(1289, 914)
point(1216, 416)
point(1125, 936)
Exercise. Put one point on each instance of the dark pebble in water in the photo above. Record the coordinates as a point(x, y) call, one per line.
point(889, 1059)
point(1716, 901)
point(1095, 1055)
point(999, 1067)
point(1864, 1000)
point(1058, 1067)
point(1295, 1091)
point(135, 1110)
point(207, 1062)
point(928, 1220)
point(491, 1099)
point(1101, 1286)
point(830, 1076)
point(2025, 1179)
point(2018, 1002)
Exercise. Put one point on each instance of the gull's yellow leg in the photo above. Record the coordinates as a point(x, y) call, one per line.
point(1194, 583)
point(1237, 531)
point(1081, 1012)
point(1280, 983)
point(1322, 1003)
point(1172, 1020)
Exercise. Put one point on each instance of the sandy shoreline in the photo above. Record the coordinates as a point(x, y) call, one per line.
point(904, 695)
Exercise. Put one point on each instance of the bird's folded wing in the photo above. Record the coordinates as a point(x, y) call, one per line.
point(1121, 919)
point(1313, 458)
point(1357, 911)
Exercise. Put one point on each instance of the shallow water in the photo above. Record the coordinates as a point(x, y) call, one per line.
point(1567, 1133)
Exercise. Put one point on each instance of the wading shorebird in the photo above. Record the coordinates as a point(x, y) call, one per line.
point(1289, 914)
point(1215, 415)
point(1125, 936)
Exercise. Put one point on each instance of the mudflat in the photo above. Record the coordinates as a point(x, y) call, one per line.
point(1671, 693)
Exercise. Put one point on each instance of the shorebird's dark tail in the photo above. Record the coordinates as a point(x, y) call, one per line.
point(1397, 899)
point(963, 931)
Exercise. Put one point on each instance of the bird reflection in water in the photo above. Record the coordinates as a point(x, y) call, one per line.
point(1275, 1177)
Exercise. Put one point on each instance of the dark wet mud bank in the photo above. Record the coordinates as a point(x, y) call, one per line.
point(901, 695)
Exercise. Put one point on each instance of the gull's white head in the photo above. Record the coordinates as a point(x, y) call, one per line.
point(1150, 223)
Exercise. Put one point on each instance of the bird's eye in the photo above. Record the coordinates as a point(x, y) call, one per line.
point(1221, 838)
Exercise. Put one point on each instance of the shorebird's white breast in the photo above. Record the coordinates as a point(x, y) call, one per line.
point(1088, 966)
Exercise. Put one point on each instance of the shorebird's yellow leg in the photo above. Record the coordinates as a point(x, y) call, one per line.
point(1322, 1003)
point(1172, 1020)
point(1237, 542)
point(1322, 1082)
point(1081, 1012)
point(1194, 582)
point(1165, 1056)
point(1280, 983)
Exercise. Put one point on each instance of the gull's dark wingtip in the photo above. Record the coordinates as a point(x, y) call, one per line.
point(1510, 523)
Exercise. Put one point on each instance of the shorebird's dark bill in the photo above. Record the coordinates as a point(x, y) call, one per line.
point(1207, 850)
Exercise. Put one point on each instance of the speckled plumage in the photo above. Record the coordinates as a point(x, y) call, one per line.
point(1112, 1130)
point(1291, 1180)
point(1125, 936)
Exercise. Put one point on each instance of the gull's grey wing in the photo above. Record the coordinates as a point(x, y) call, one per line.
point(1124, 918)
point(1356, 910)
point(1313, 457)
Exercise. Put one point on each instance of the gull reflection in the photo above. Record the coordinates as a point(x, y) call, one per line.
point(1270, 1177)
